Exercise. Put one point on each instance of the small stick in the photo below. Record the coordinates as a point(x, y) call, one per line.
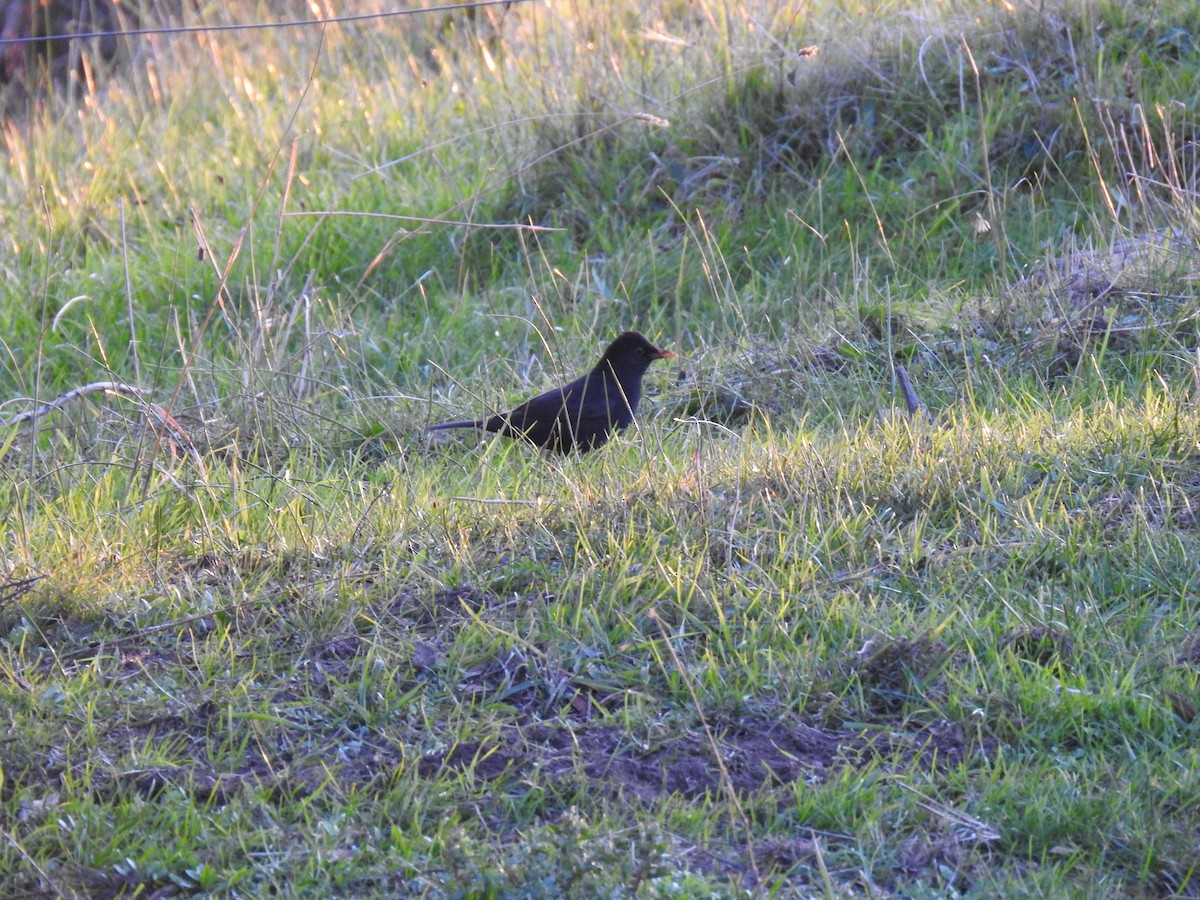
point(106, 387)
point(499, 501)
point(96, 387)
point(11, 590)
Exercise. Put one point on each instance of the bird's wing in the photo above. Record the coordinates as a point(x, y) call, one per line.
point(538, 418)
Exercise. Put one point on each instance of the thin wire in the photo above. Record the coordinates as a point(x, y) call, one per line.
point(294, 23)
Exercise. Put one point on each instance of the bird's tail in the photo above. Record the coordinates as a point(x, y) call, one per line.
point(466, 423)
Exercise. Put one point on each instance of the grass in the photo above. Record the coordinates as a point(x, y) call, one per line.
point(259, 633)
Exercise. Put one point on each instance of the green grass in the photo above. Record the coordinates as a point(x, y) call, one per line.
point(779, 639)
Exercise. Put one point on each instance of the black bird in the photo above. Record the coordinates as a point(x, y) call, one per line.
point(583, 415)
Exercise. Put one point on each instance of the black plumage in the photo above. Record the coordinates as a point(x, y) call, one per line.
point(584, 414)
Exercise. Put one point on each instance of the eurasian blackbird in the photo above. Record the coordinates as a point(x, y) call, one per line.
point(583, 415)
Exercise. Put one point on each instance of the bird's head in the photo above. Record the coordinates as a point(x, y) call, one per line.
point(632, 353)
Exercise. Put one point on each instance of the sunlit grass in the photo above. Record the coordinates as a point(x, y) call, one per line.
point(780, 636)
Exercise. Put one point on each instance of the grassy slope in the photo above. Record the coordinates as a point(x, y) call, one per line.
point(782, 638)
